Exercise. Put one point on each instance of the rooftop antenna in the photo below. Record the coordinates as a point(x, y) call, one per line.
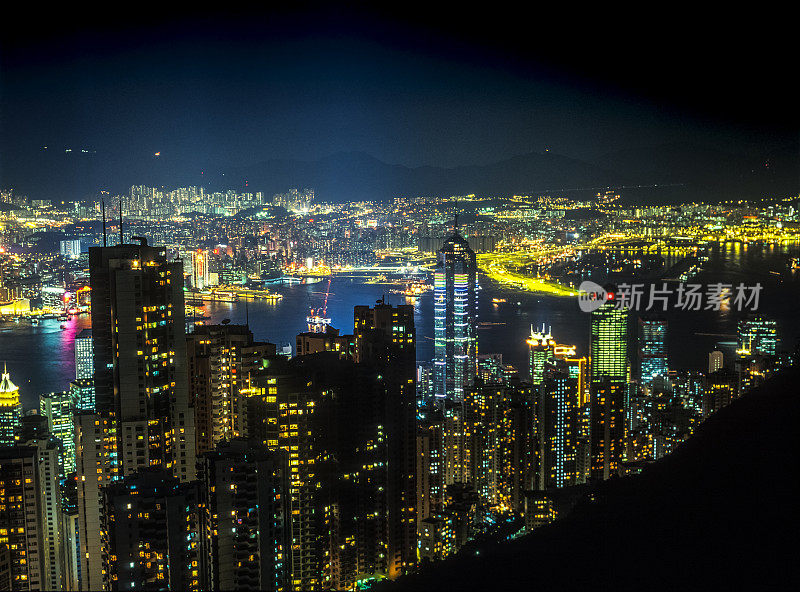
point(120, 221)
point(105, 237)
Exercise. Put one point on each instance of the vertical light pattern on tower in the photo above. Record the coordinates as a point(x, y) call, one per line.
point(455, 319)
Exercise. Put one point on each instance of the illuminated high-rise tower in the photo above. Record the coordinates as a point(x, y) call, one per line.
point(652, 348)
point(220, 359)
point(557, 416)
point(58, 409)
point(152, 524)
point(139, 348)
point(540, 349)
point(455, 318)
point(83, 386)
point(10, 409)
point(715, 361)
point(385, 341)
point(609, 363)
point(757, 335)
point(200, 271)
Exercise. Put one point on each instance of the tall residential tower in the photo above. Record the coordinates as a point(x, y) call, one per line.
point(139, 348)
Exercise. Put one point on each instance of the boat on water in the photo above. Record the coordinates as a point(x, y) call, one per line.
point(413, 289)
point(63, 327)
point(498, 300)
point(34, 321)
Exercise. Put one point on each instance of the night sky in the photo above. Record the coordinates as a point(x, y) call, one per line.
point(422, 87)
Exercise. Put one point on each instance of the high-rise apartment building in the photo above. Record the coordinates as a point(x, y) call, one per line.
point(385, 341)
point(558, 426)
point(139, 349)
point(281, 410)
point(220, 360)
point(58, 408)
point(498, 443)
point(84, 357)
point(30, 515)
point(430, 467)
point(455, 318)
point(245, 520)
point(152, 524)
point(97, 467)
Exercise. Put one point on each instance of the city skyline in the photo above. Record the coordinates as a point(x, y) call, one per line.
point(319, 297)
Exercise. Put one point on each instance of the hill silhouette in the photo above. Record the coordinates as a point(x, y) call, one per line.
point(661, 174)
point(719, 513)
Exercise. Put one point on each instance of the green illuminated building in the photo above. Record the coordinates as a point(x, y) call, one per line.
point(58, 409)
point(609, 377)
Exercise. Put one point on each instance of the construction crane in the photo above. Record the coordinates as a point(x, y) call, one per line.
point(317, 320)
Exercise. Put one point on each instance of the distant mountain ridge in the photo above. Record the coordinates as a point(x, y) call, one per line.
point(682, 172)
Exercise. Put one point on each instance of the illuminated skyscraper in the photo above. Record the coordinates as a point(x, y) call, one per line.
point(652, 348)
point(30, 515)
point(558, 426)
point(757, 335)
point(152, 524)
point(715, 361)
point(200, 270)
point(609, 374)
point(140, 356)
point(541, 348)
point(385, 341)
point(455, 318)
point(82, 390)
point(97, 467)
point(10, 409)
point(220, 359)
point(244, 518)
point(84, 370)
point(58, 409)
point(84, 358)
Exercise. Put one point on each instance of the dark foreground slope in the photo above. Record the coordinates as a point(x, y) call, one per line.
point(721, 512)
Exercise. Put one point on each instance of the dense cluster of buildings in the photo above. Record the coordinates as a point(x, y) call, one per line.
point(208, 461)
point(234, 238)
